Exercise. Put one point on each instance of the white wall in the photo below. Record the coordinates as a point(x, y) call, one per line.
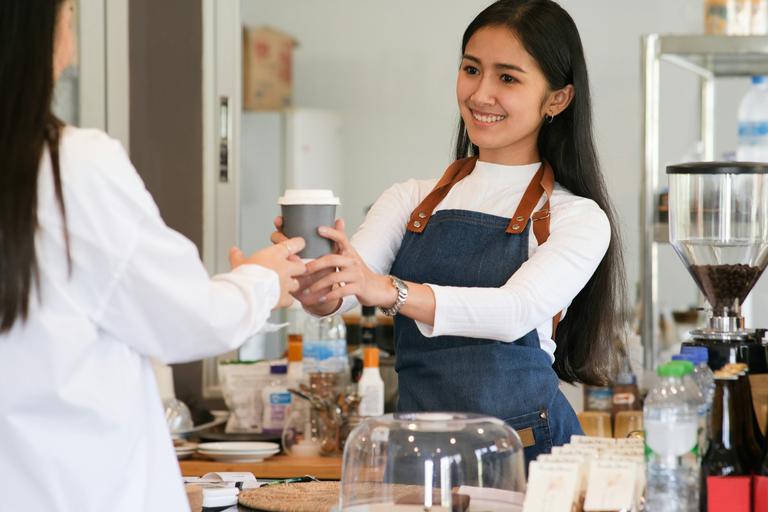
point(390, 68)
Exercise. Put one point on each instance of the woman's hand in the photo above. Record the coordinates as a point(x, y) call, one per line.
point(280, 258)
point(310, 300)
point(347, 274)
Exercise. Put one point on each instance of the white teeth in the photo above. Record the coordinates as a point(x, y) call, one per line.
point(487, 118)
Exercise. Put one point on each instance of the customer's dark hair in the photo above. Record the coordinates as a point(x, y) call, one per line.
point(586, 338)
point(27, 127)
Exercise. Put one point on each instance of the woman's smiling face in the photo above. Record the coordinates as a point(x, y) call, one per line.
point(502, 97)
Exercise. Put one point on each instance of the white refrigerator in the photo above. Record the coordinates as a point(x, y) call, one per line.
point(299, 148)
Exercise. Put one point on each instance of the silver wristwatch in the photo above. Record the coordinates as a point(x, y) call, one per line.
point(402, 295)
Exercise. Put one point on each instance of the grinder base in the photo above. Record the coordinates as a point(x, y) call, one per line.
point(745, 347)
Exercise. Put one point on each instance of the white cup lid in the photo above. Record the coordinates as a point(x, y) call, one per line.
point(308, 196)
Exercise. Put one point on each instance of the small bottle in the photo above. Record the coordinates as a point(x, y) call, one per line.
point(702, 374)
point(325, 346)
point(276, 399)
point(759, 18)
point(671, 422)
point(753, 123)
point(296, 318)
point(295, 374)
point(716, 17)
point(598, 398)
point(626, 396)
point(723, 457)
point(700, 381)
point(368, 326)
point(371, 385)
point(367, 339)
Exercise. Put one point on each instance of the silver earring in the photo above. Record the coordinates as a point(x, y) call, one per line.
point(549, 118)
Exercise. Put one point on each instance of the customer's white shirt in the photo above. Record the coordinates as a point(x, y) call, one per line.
point(81, 423)
point(553, 275)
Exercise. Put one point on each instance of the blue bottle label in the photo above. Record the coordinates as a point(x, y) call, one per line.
point(280, 398)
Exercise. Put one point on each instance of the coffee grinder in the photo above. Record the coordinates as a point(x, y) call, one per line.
point(718, 225)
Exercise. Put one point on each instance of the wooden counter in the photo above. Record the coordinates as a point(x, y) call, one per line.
point(279, 466)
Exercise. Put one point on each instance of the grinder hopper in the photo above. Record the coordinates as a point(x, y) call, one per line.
point(718, 215)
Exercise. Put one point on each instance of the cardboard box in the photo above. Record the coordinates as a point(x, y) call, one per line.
point(267, 69)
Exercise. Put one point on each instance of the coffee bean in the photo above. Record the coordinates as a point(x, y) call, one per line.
point(723, 284)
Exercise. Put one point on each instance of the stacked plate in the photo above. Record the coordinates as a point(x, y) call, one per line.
point(185, 449)
point(238, 451)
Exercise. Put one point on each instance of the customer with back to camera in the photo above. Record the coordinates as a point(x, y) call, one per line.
point(93, 284)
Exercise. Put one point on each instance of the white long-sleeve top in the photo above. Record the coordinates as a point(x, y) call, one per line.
point(544, 285)
point(81, 423)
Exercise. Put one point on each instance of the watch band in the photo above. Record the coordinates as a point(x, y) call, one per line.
point(402, 295)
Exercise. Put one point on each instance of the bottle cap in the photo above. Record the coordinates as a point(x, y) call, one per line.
point(369, 310)
point(694, 359)
point(686, 365)
point(295, 351)
point(675, 369)
point(370, 357)
point(759, 79)
point(723, 375)
point(697, 355)
point(278, 369)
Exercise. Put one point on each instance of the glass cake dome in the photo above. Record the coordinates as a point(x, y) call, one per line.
point(432, 462)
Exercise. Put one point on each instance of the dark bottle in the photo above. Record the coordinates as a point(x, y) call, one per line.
point(368, 327)
point(763, 470)
point(724, 455)
point(367, 340)
point(752, 437)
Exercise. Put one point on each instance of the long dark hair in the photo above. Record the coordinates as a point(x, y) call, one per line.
point(27, 127)
point(586, 338)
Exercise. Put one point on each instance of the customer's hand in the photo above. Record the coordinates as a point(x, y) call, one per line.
point(282, 259)
point(348, 274)
point(310, 299)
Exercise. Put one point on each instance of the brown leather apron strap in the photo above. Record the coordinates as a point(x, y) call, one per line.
point(456, 172)
point(542, 184)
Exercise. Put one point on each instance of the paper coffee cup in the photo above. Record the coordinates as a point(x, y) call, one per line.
point(303, 212)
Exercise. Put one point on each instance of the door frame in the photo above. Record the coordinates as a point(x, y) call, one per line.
point(222, 81)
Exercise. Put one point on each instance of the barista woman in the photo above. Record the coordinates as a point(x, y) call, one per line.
point(93, 283)
point(480, 266)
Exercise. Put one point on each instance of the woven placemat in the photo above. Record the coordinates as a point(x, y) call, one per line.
point(302, 497)
point(324, 496)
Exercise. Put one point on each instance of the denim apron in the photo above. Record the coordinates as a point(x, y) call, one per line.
point(513, 381)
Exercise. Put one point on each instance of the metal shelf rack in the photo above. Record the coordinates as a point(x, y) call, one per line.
point(708, 57)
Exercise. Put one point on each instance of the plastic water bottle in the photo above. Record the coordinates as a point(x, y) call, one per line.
point(702, 378)
point(753, 123)
point(702, 374)
point(671, 420)
point(325, 346)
